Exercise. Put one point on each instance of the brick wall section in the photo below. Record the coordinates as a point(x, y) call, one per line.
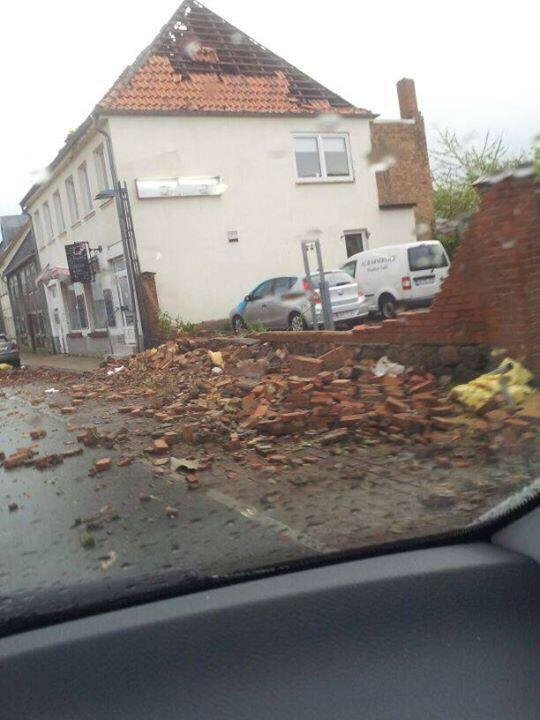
point(492, 293)
point(408, 182)
point(490, 300)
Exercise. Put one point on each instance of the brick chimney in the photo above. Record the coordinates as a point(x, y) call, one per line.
point(408, 182)
point(408, 105)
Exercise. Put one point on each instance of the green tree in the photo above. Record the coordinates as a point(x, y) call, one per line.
point(457, 164)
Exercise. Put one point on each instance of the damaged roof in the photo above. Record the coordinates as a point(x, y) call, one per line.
point(200, 63)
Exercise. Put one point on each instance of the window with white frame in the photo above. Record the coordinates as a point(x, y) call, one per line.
point(101, 168)
point(38, 230)
point(59, 212)
point(72, 200)
point(47, 219)
point(86, 192)
point(322, 157)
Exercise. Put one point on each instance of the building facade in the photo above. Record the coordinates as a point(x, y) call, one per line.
point(27, 298)
point(231, 158)
point(11, 227)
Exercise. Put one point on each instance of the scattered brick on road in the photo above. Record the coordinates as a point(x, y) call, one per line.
point(160, 446)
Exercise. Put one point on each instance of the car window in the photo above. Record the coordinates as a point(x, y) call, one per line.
point(263, 290)
point(334, 278)
point(425, 257)
point(350, 268)
point(282, 284)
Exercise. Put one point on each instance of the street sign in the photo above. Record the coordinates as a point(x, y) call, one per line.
point(79, 262)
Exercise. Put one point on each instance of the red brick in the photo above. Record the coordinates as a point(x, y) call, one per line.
point(15, 460)
point(396, 405)
point(304, 366)
point(353, 420)
point(160, 446)
point(102, 464)
point(336, 358)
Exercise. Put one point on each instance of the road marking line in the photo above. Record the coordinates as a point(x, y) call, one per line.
point(280, 528)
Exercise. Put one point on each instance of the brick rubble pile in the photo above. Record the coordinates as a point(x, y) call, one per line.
point(261, 395)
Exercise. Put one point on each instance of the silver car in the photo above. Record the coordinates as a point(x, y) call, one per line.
point(284, 303)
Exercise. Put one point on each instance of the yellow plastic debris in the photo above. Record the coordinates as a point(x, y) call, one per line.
point(510, 380)
point(216, 359)
point(5, 366)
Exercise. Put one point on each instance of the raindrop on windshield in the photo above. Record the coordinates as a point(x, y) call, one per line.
point(421, 228)
point(382, 164)
point(328, 121)
point(41, 175)
point(192, 48)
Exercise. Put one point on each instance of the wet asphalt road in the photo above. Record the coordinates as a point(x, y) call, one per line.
point(40, 546)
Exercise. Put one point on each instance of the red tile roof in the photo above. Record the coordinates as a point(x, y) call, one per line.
point(200, 63)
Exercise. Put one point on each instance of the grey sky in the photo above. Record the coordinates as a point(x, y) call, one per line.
point(475, 63)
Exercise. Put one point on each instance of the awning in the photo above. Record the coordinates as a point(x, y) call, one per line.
point(53, 273)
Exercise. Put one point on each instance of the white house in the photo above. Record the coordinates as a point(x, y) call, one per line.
point(231, 157)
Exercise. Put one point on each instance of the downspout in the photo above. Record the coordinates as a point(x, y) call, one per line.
point(121, 220)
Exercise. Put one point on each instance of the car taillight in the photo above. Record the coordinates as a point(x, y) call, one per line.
point(406, 282)
point(308, 287)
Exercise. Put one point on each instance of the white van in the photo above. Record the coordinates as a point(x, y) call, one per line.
point(409, 274)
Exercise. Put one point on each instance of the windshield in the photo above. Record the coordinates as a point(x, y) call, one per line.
point(180, 403)
point(426, 257)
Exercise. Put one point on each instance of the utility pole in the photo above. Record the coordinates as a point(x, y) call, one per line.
point(324, 291)
point(117, 192)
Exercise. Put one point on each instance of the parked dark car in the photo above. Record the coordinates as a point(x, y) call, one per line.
point(9, 352)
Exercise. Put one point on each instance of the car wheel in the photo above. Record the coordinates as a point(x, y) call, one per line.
point(388, 306)
point(238, 324)
point(296, 322)
point(16, 363)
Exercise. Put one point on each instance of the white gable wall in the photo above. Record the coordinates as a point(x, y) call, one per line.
point(199, 274)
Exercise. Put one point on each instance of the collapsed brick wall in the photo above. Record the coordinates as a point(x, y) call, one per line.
point(492, 293)
point(459, 362)
point(408, 181)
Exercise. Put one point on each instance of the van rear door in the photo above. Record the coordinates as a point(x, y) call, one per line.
point(428, 267)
